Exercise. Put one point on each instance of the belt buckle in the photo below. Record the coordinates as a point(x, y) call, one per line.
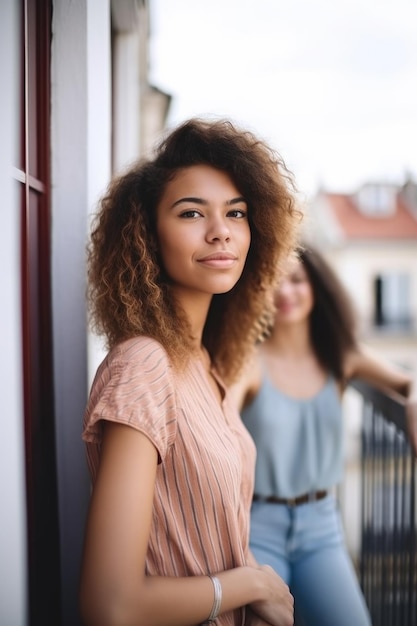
point(312, 496)
point(292, 502)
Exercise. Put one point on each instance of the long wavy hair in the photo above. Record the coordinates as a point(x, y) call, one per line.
point(333, 320)
point(128, 292)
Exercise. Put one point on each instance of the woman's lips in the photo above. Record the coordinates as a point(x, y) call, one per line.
point(218, 259)
point(285, 307)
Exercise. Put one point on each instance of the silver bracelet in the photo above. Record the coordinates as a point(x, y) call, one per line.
point(215, 609)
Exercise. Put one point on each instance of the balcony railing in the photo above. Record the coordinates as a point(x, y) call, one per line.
point(388, 558)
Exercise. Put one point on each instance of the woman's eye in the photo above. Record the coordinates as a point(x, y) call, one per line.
point(239, 213)
point(191, 213)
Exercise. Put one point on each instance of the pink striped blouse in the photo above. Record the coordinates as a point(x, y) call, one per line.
point(204, 479)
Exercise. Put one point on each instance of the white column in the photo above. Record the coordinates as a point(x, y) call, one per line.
point(13, 544)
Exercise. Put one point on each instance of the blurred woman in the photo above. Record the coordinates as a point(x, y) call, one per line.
point(290, 399)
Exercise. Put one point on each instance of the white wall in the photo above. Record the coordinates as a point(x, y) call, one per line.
point(81, 148)
point(13, 592)
point(126, 99)
point(99, 112)
point(121, 126)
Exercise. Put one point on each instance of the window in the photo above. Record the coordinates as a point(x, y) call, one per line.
point(392, 300)
point(377, 200)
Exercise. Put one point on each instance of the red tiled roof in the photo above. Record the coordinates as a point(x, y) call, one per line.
point(355, 225)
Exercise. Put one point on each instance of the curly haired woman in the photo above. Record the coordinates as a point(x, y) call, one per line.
point(182, 258)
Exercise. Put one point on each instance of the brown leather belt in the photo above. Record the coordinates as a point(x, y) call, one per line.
point(307, 497)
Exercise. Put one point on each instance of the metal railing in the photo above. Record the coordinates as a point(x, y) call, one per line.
point(388, 558)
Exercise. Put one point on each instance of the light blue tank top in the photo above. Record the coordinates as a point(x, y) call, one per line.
point(299, 441)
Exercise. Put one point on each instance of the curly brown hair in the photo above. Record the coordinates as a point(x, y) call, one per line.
point(128, 292)
point(333, 320)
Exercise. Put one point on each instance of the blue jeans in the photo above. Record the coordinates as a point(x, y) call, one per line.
point(305, 546)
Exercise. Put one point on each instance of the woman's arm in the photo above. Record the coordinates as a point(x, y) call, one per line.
point(243, 391)
point(368, 366)
point(114, 589)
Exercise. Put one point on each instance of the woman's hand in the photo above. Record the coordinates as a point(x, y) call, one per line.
point(254, 620)
point(278, 608)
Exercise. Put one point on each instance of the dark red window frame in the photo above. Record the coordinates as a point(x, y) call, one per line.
point(33, 172)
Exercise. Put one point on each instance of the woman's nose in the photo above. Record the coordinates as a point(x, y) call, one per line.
point(218, 230)
point(284, 287)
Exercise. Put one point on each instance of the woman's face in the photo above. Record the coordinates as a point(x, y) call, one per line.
point(294, 297)
point(203, 230)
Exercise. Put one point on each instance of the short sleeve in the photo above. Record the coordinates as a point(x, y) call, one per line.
point(134, 386)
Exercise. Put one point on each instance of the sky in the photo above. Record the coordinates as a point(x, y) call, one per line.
point(330, 84)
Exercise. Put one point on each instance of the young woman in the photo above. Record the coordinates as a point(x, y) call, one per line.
point(292, 407)
point(181, 262)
